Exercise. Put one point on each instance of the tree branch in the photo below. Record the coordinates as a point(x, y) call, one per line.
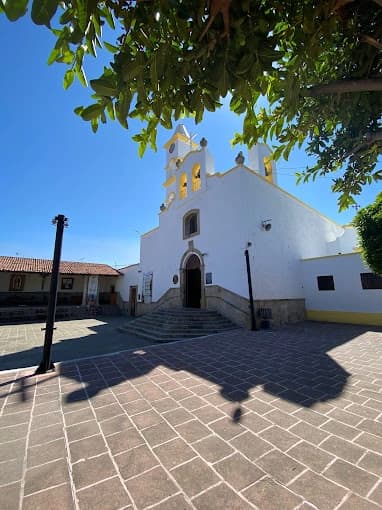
point(343, 86)
point(370, 40)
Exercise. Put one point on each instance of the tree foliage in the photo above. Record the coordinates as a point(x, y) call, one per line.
point(317, 63)
point(368, 223)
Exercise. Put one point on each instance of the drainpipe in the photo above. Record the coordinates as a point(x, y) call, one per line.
point(251, 304)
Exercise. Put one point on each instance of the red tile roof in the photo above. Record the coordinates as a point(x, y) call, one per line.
point(23, 265)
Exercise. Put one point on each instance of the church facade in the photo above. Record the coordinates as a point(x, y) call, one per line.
point(223, 236)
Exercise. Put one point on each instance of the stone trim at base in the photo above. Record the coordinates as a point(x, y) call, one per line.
point(367, 318)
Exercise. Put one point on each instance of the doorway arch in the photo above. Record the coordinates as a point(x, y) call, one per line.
point(193, 282)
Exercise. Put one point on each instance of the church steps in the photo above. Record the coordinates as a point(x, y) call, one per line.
point(176, 324)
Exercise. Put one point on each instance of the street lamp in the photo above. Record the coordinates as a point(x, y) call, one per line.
point(46, 364)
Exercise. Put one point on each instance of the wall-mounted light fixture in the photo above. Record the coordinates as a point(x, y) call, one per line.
point(267, 225)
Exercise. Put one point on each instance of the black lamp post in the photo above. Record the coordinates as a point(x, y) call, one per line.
point(46, 364)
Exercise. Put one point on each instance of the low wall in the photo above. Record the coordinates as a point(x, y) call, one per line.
point(237, 308)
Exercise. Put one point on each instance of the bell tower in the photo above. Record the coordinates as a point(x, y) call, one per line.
point(177, 148)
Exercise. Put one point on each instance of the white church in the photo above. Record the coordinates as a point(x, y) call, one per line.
point(224, 236)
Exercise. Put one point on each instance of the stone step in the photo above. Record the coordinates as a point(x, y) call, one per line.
point(177, 323)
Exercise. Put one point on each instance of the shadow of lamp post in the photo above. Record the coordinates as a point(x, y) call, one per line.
point(46, 364)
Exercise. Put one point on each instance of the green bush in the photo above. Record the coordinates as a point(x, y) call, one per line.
point(368, 223)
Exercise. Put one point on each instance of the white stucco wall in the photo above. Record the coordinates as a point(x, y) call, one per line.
point(348, 294)
point(232, 207)
point(130, 277)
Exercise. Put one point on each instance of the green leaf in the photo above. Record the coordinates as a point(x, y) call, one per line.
point(92, 112)
point(55, 53)
point(14, 9)
point(83, 14)
point(104, 86)
point(81, 76)
point(43, 11)
point(68, 78)
point(110, 47)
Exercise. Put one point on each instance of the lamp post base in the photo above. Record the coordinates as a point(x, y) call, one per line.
point(43, 368)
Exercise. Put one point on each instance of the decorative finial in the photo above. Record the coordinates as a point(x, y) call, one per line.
point(240, 158)
point(178, 163)
point(203, 142)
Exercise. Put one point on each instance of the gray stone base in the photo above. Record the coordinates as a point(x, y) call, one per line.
point(235, 307)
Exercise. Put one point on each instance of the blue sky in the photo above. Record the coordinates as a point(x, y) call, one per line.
point(52, 163)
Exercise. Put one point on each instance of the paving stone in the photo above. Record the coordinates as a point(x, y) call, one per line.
point(177, 502)
point(46, 408)
point(355, 502)
point(309, 432)
point(238, 471)
point(364, 411)
point(136, 406)
point(195, 476)
point(15, 419)
point(11, 470)
point(106, 495)
point(82, 430)
point(376, 494)
point(208, 414)
point(78, 416)
point(372, 462)
point(180, 394)
point(192, 403)
point(105, 412)
point(12, 449)
point(193, 431)
point(227, 428)
point(158, 434)
point(174, 452)
point(255, 422)
point(357, 480)
point(310, 456)
point(319, 491)
point(151, 487)
point(41, 454)
point(177, 416)
point(346, 417)
point(280, 466)
point(115, 424)
point(45, 476)
point(282, 419)
point(279, 437)
point(212, 448)
point(370, 441)
point(50, 499)
point(251, 445)
point(135, 461)
point(92, 470)
point(146, 419)
point(220, 497)
point(266, 494)
point(88, 447)
point(371, 426)
point(165, 404)
point(258, 406)
point(340, 429)
point(124, 440)
point(10, 496)
point(13, 432)
point(311, 417)
point(342, 448)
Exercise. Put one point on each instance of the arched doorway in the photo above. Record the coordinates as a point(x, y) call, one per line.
point(193, 282)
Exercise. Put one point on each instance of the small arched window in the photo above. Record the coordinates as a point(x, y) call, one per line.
point(196, 177)
point(191, 225)
point(268, 169)
point(183, 186)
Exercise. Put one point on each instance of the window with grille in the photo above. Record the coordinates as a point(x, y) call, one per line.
point(17, 282)
point(325, 282)
point(371, 281)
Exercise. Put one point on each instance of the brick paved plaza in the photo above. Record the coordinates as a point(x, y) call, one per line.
point(269, 420)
